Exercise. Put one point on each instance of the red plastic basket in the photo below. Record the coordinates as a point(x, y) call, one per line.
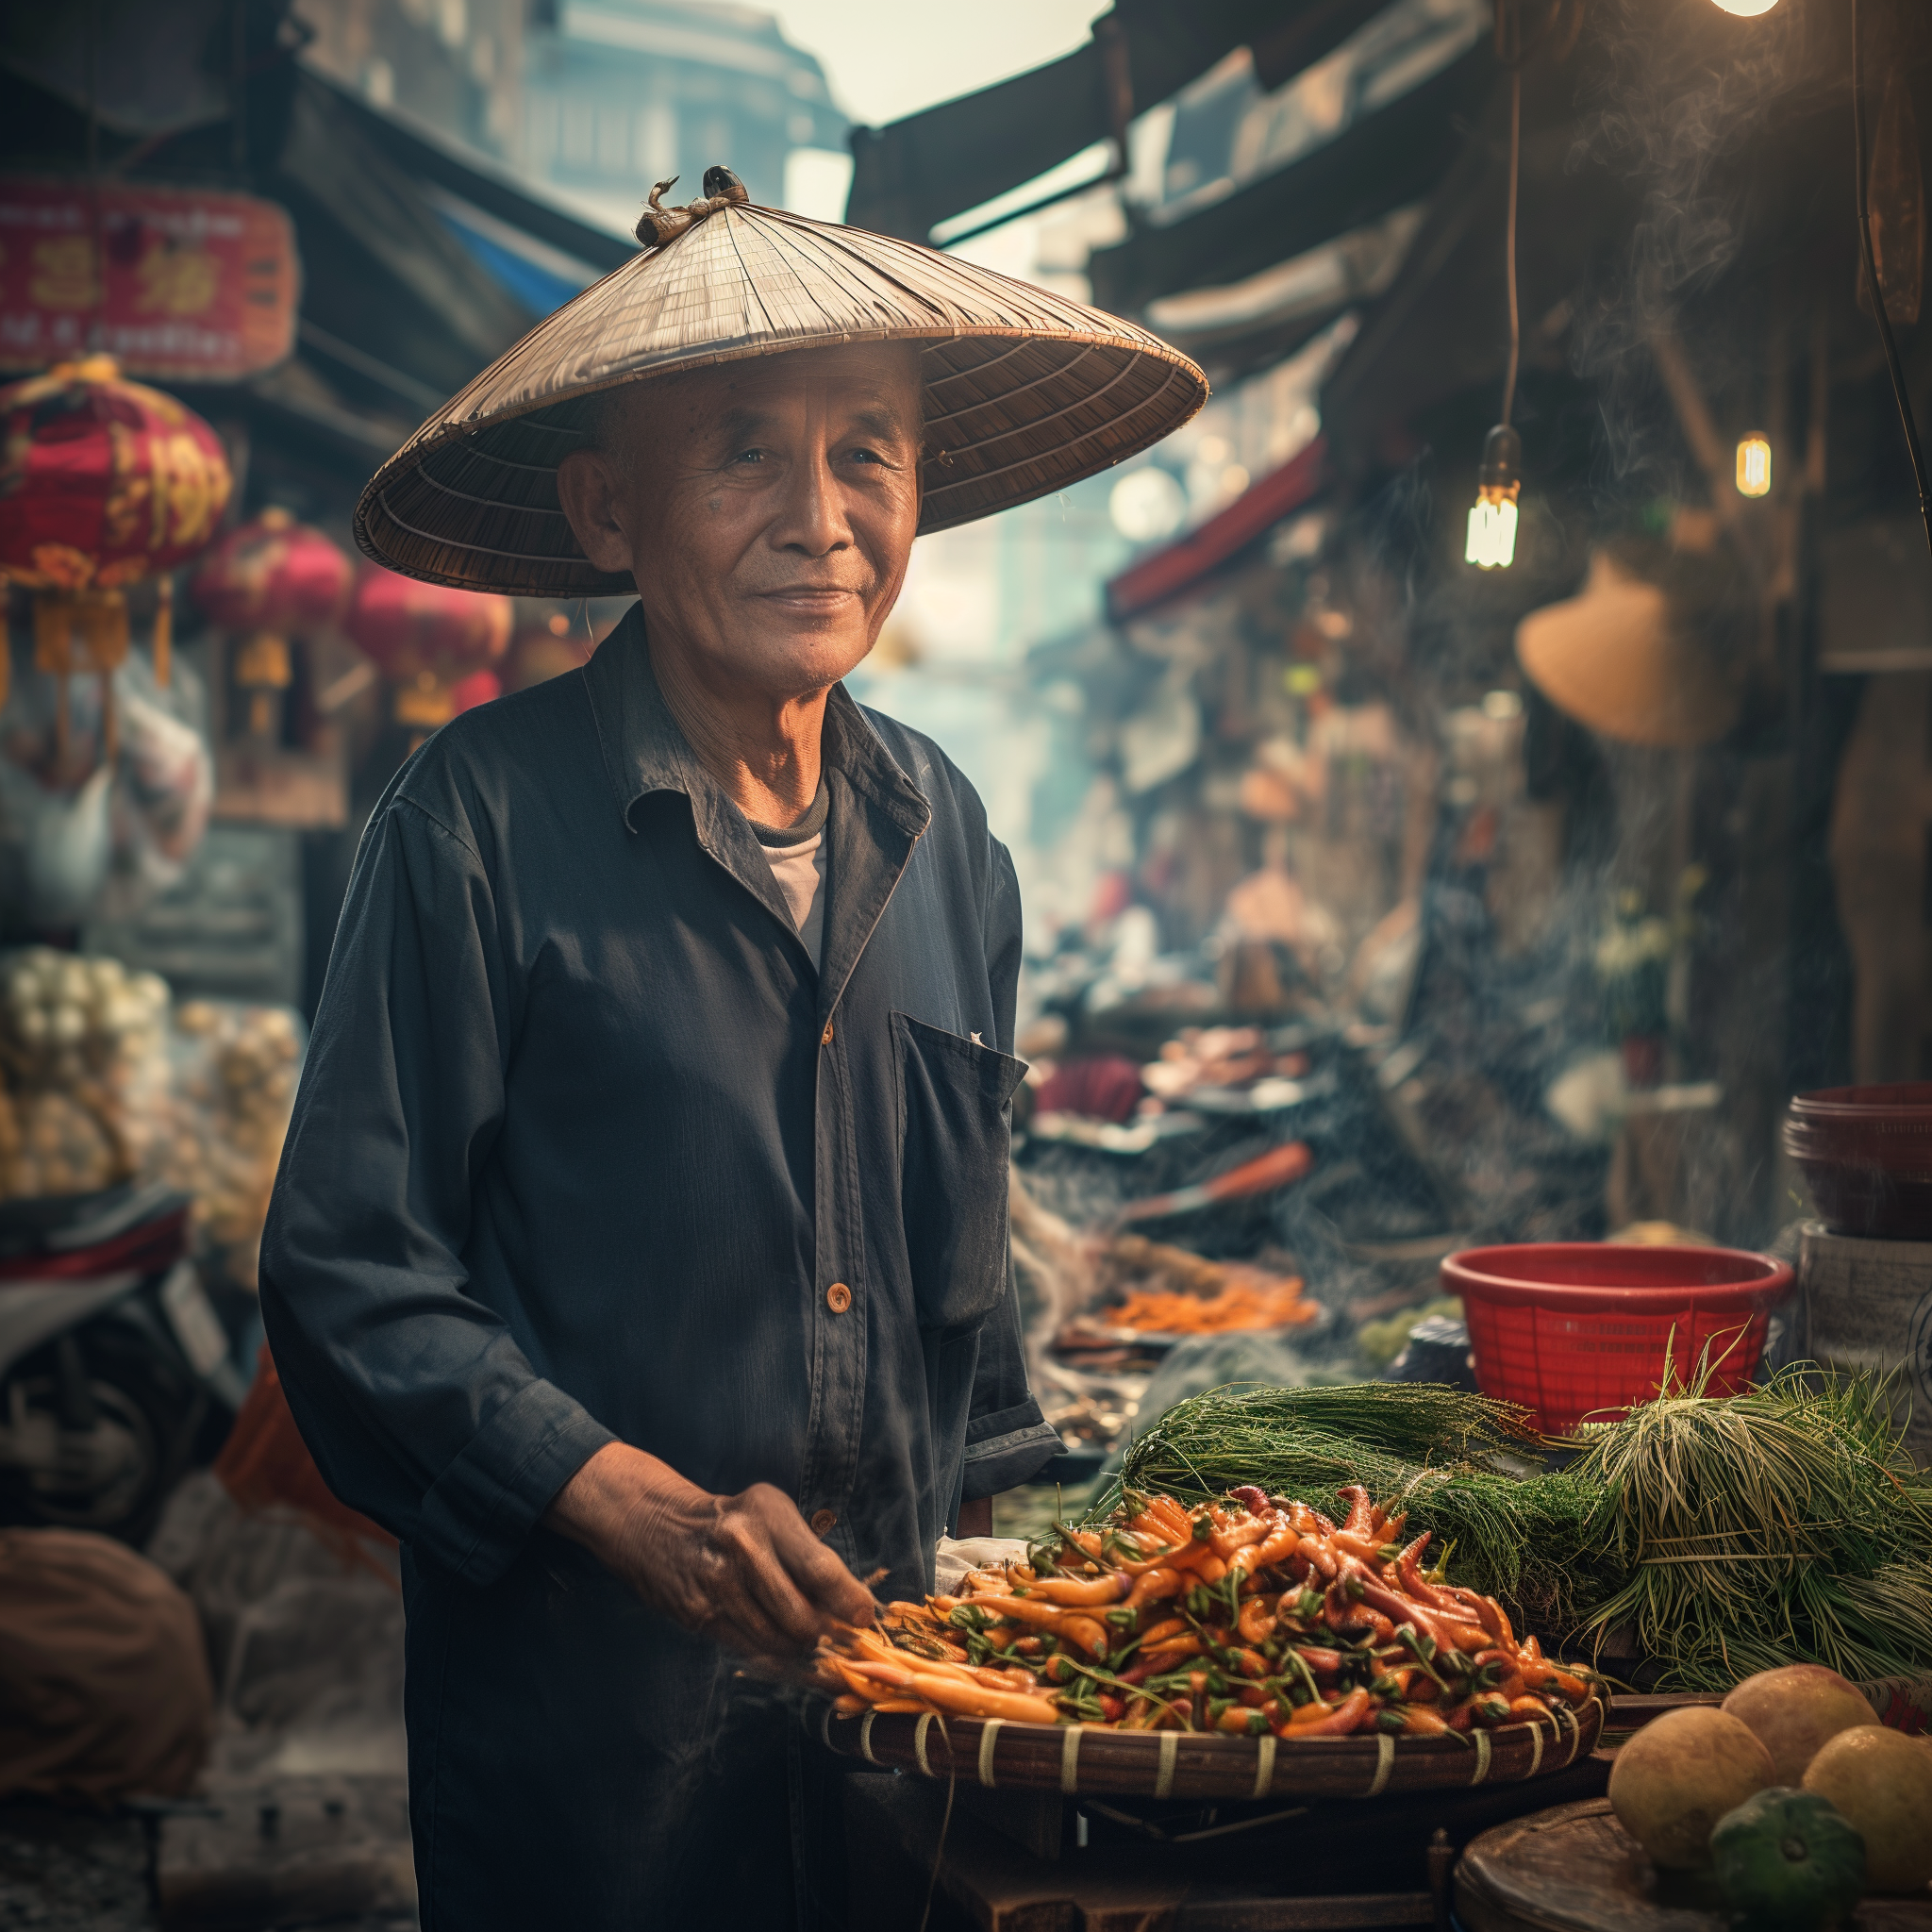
point(1570, 1327)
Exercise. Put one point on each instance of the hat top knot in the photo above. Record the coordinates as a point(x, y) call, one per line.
point(659, 225)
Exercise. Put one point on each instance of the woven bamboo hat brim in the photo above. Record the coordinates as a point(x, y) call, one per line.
point(1025, 391)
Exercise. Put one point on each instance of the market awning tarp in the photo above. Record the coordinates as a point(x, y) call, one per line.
point(912, 174)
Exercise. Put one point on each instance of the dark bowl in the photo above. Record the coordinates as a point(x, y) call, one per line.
point(1866, 1153)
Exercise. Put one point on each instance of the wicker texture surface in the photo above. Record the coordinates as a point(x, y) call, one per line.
point(1025, 391)
point(1073, 1759)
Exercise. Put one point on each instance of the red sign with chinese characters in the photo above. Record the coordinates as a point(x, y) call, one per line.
point(172, 282)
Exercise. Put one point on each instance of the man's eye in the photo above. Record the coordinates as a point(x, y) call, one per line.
point(867, 455)
point(749, 455)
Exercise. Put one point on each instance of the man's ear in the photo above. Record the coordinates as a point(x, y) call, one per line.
point(589, 489)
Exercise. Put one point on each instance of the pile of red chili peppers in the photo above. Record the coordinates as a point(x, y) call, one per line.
point(1253, 1615)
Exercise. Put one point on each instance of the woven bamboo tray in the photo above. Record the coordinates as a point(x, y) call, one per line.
point(1076, 1758)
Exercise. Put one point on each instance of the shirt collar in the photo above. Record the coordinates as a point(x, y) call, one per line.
point(644, 751)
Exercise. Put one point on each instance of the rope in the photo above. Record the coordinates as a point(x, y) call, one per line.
point(1264, 1765)
point(988, 1738)
point(1385, 1763)
point(1164, 1776)
point(1536, 1750)
point(919, 1731)
point(1070, 1759)
point(865, 1736)
point(1482, 1757)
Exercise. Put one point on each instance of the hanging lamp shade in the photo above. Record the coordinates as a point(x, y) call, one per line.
point(1619, 658)
point(1025, 391)
point(103, 483)
point(426, 639)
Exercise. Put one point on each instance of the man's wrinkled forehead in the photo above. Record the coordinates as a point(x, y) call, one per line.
point(874, 387)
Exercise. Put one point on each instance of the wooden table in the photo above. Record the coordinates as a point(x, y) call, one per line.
point(1030, 1861)
point(1574, 1869)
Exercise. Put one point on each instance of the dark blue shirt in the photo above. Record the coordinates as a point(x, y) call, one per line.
point(585, 1148)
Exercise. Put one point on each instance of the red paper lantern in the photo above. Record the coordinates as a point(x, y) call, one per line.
point(266, 581)
point(274, 574)
point(426, 639)
point(102, 483)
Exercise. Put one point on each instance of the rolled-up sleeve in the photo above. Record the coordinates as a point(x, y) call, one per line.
point(1008, 1441)
point(419, 1407)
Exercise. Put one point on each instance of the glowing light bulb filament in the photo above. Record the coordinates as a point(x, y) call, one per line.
point(1493, 527)
point(1754, 466)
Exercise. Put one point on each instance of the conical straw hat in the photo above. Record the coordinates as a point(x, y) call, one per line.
point(1619, 658)
point(1025, 391)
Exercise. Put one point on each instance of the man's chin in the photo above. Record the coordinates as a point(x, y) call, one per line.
point(784, 659)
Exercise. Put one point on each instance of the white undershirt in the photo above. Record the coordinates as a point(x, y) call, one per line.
point(796, 855)
point(800, 870)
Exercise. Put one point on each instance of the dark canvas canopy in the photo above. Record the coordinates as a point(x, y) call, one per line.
point(917, 172)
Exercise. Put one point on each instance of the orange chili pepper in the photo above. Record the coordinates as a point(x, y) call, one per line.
point(1110, 1589)
point(1157, 1586)
point(1256, 1620)
point(1280, 1544)
point(1201, 1563)
point(1190, 1645)
point(1088, 1633)
point(1224, 1542)
point(1361, 1509)
point(1420, 1721)
point(974, 1700)
point(1336, 1722)
point(1023, 1609)
point(1168, 1627)
point(1239, 1719)
point(1484, 1610)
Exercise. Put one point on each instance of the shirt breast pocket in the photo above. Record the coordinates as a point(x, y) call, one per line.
point(955, 1137)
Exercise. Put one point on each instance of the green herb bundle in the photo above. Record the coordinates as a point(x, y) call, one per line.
point(1435, 1453)
point(1779, 1525)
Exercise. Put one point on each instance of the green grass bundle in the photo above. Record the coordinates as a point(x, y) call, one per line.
point(1783, 1525)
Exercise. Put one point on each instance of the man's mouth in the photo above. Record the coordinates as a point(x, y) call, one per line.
point(816, 599)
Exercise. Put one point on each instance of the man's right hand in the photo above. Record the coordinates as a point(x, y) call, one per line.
point(746, 1570)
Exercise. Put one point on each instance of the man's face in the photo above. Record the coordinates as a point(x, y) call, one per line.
point(766, 510)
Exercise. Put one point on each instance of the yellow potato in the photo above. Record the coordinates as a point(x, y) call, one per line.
point(1679, 1774)
point(1881, 1780)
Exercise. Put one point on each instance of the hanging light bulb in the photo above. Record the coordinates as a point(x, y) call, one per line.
point(1753, 465)
point(1747, 9)
point(1493, 521)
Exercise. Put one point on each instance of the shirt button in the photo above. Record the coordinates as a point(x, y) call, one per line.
point(824, 1523)
point(838, 1297)
point(826, 1038)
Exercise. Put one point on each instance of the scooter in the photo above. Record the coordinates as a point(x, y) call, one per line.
point(111, 1354)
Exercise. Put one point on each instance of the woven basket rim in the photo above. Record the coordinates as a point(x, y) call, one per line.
point(1217, 1755)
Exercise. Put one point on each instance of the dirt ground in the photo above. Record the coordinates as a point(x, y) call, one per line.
point(77, 1871)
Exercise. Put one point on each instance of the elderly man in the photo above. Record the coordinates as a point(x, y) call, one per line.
point(640, 1253)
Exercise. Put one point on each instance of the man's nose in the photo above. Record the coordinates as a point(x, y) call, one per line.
point(811, 514)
